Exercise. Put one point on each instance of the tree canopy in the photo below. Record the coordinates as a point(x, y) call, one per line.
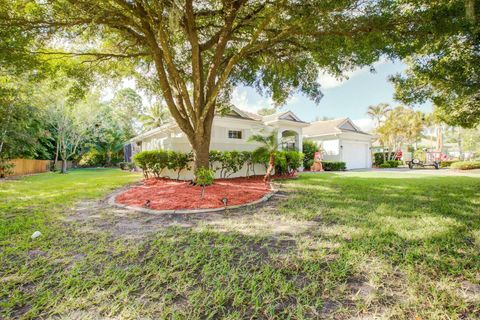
point(195, 52)
point(446, 69)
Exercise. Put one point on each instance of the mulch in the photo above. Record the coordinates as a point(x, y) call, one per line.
point(167, 194)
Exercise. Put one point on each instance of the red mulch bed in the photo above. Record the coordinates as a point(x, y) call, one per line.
point(166, 194)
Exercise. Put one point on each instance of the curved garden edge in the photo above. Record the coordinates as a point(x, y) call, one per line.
point(111, 200)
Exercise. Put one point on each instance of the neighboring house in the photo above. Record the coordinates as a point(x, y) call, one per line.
point(229, 132)
point(342, 140)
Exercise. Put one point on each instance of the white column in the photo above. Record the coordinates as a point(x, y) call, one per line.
point(300, 140)
point(279, 137)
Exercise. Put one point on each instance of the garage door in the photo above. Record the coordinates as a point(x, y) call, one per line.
point(356, 155)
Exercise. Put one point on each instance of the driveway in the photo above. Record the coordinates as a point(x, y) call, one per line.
point(407, 171)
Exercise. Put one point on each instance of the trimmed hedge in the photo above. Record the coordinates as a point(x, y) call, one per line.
point(309, 148)
point(287, 162)
point(394, 163)
point(378, 157)
point(385, 165)
point(226, 163)
point(466, 165)
point(154, 162)
point(126, 165)
point(447, 163)
point(334, 166)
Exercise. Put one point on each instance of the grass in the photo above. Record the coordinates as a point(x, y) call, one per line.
point(338, 245)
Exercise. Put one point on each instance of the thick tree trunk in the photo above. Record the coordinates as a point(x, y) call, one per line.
point(64, 166)
point(200, 142)
point(201, 149)
point(56, 157)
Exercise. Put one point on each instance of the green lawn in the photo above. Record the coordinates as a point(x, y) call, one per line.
point(386, 245)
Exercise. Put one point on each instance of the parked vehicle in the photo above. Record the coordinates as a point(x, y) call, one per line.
point(432, 158)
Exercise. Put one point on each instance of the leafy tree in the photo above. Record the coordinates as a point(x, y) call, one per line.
point(446, 69)
point(199, 50)
point(378, 113)
point(127, 109)
point(269, 147)
point(21, 129)
point(73, 123)
point(156, 116)
point(402, 126)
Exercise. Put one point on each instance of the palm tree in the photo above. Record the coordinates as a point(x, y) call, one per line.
point(157, 116)
point(378, 113)
point(269, 147)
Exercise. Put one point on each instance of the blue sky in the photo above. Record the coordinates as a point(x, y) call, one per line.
point(342, 98)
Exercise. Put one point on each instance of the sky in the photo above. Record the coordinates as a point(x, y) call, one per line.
point(342, 98)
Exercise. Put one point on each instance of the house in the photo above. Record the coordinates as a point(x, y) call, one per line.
point(230, 131)
point(342, 140)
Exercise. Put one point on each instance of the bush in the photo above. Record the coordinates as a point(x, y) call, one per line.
point(155, 161)
point(178, 161)
point(385, 165)
point(142, 160)
point(447, 163)
point(126, 165)
point(308, 163)
point(378, 157)
point(466, 165)
point(287, 162)
point(394, 163)
point(6, 168)
point(204, 177)
point(334, 165)
point(309, 148)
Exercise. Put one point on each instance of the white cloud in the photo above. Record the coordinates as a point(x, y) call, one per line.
point(328, 81)
point(243, 100)
point(365, 124)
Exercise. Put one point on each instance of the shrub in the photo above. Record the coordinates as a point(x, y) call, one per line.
point(394, 163)
point(385, 165)
point(179, 161)
point(334, 165)
point(287, 162)
point(378, 158)
point(249, 162)
point(447, 163)
point(232, 162)
point(159, 162)
point(294, 160)
point(309, 163)
point(152, 162)
point(204, 177)
point(126, 165)
point(466, 165)
point(92, 158)
point(6, 168)
point(141, 159)
point(309, 148)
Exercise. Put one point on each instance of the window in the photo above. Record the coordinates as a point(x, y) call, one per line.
point(234, 134)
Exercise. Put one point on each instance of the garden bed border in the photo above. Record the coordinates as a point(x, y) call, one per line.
point(111, 200)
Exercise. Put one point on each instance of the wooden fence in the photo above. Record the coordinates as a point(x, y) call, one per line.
point(28, 166)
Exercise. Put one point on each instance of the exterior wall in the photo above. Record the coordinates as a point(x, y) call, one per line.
point(174, 139)
point(331, 147)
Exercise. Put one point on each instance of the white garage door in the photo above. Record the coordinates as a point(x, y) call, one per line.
point(356, 154)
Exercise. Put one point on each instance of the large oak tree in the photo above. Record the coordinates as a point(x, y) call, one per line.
point(195, 52)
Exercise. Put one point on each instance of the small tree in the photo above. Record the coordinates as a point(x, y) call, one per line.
point(269, 147)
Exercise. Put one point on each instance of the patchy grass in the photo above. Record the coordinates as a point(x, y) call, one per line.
point(336, 246)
